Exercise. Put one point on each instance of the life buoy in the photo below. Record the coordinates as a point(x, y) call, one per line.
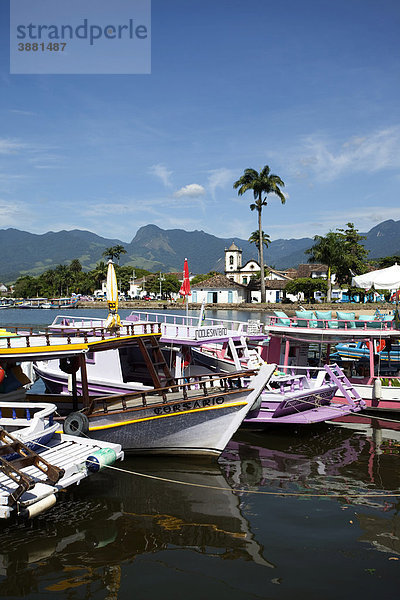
point(2, 374)
point(69, 364)
point(76, 423)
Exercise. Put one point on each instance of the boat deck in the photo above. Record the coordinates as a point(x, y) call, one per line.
point(316, 415)
point(223, 385)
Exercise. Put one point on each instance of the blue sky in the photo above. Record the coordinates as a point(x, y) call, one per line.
point(310, 88)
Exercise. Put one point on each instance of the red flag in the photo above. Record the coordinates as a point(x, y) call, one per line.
point(185, 287)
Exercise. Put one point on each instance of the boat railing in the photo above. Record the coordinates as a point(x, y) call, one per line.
point(202, 385)
point(194, 321)
point(329, 324)
point(20, 338)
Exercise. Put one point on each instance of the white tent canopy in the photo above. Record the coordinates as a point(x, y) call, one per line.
point(382, 279)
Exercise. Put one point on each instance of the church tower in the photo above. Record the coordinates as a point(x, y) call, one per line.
point(233, 262)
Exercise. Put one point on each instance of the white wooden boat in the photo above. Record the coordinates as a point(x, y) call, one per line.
point(168, 416)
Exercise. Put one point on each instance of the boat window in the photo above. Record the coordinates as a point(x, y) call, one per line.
point(133, 366)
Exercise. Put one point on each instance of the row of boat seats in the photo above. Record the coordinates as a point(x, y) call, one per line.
point(323, 319)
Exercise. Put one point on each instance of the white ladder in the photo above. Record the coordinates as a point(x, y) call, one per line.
point(234, 351)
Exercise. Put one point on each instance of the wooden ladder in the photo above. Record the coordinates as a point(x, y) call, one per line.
point(154, 358)
point(26, 458)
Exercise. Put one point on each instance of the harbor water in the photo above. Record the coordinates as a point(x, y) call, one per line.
point(305, 512)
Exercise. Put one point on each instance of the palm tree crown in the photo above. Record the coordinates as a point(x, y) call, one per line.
point(114, 252)
point(255, 239)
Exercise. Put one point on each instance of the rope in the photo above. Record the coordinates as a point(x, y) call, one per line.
point(261, 492)
point(244, 490)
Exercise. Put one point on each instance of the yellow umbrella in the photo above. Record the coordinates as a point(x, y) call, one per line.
point(113, 319)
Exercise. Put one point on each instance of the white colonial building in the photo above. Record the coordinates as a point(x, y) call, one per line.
point(219, 290)
point(234, 269)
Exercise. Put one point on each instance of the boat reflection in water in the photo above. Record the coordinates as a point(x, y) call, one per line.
point(98, 528)
point(353, 456)
point(356, 458)
point(122, 535)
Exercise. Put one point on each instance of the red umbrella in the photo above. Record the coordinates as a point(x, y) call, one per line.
point(185, 287)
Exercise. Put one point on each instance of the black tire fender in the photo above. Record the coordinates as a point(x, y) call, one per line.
point(76, 423)
point(69, 364)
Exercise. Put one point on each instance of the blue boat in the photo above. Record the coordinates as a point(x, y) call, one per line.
point(387, 351)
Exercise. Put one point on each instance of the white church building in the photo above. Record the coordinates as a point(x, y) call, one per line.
point(243, 274)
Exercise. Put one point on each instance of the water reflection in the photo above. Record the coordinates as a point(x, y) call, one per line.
point(353, 458)
point(108, 521)
point(117, 526)
point(349, 457)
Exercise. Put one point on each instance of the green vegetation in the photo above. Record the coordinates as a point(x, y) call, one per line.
point(306, 285)
point(166, 282)
point(341, 251)
point(67, 279)
point(262, 183)
point(387, 261)
point(200, 278)
point(255, 239)
point(114, 252)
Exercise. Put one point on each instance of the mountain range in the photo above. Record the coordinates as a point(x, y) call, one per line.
point(157, 249)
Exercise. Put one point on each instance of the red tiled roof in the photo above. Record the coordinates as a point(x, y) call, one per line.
point(218, 281)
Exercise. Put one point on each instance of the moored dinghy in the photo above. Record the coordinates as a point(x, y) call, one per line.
point(36, 462)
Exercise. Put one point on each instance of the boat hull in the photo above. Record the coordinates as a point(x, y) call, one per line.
point(200, 426)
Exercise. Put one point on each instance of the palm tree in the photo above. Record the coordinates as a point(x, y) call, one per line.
point(109, 253)
point(114, 251)
point(61, 275)
point(99, 273)
point(75, 266)
point(255, 239)
point(118, 250)
point(262, 184)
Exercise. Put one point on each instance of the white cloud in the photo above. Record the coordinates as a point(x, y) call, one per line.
point(369, 153)
point(97, 209)
point(14, 214)
point(8, 146)
point(220, 178)
point(193, 190)
point(162, 173)
point(8, 178)
point(25, 113)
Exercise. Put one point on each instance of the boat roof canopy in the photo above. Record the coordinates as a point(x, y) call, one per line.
point(42, 347)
